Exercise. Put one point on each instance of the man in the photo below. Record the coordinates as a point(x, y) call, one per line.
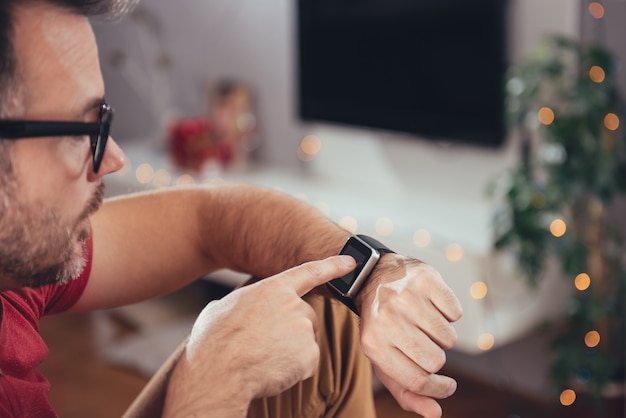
point(61, 251)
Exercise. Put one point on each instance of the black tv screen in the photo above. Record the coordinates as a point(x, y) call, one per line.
point(432, 68)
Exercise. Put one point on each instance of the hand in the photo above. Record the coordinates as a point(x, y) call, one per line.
point(257, 341)
point(406, 310)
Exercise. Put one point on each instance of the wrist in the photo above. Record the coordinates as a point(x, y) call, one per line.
point(367, 253)
point(386, 266)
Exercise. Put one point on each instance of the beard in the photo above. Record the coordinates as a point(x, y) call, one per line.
point(37, 247)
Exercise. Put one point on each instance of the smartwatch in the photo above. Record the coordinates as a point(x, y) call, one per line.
point(366, 251)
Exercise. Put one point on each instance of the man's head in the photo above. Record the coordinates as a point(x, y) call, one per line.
point(49, 71)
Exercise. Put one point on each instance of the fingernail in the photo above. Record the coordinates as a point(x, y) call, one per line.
point(453, 387)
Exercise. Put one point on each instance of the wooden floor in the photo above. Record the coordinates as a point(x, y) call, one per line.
point(85, 385)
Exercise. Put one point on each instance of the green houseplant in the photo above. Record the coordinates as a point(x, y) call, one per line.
point(566, 109)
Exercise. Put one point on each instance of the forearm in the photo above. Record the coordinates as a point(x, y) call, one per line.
point(162, 240)
point(264, 232)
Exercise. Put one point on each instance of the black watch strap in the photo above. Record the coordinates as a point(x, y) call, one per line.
point(377, 245)
point(374, 243)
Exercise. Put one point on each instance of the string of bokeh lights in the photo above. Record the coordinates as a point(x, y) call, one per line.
point(558, 228)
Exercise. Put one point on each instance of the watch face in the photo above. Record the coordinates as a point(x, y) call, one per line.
point(366, 258)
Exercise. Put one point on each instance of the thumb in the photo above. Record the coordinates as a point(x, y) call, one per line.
point(307, 276)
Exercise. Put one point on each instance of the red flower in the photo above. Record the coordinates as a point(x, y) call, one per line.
point(193, 141)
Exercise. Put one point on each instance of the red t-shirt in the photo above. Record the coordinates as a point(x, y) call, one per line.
point(23, 389)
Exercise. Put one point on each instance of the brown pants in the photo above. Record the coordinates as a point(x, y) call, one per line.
point(341, 388)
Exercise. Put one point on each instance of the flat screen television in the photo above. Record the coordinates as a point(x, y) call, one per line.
point(431, 68)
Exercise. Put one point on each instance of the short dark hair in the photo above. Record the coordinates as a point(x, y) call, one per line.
point(9, 79)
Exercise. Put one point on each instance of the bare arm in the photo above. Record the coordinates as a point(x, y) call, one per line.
point(146, 245)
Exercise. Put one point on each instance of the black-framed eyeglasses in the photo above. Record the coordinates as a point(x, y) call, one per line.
point(98, 131)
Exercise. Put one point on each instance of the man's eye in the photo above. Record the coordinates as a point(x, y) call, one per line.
point(79, 139)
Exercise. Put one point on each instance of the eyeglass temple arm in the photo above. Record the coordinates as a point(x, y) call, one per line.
point(21, 129)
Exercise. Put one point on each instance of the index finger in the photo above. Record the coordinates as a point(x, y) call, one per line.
point(308, 276)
